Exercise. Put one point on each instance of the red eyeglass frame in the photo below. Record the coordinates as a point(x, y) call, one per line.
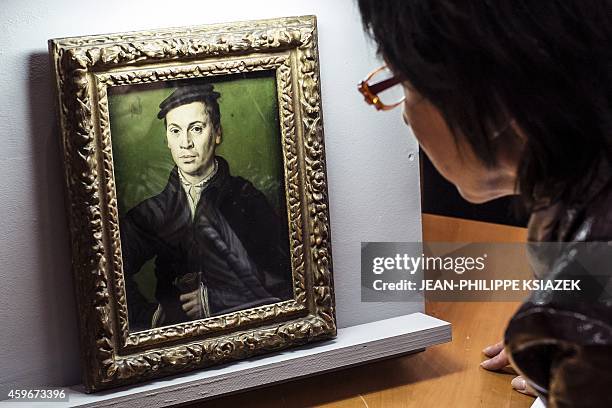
point(370, 91)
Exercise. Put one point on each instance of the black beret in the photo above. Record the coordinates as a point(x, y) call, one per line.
point(187, 94)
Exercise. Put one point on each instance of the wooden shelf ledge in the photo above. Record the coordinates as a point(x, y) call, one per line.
point(355, 345)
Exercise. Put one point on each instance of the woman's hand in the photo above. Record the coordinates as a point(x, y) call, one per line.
point(498, 360)
point(497, 357)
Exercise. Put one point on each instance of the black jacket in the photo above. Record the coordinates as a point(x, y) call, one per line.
point(231, 217)
point(561, 341)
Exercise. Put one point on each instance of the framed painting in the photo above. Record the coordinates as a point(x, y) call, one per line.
point(197, 195)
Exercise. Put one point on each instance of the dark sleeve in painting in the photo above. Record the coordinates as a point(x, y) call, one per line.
point(265, 238)
point(137, 247)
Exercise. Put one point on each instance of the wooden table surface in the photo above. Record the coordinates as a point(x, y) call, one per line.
point(447, 375)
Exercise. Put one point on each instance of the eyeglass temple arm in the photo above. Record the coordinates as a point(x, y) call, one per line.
point(386, 84)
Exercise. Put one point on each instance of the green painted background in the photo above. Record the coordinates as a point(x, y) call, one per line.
point(250, 142)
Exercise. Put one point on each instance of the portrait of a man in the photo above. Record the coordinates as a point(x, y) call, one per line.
point(217, 244)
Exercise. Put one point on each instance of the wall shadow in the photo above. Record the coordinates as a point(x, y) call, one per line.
point(52, 247)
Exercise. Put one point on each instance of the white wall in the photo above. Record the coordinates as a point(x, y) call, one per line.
point(372, 167)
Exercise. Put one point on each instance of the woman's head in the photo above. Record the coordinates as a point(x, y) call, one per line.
point(512, 81)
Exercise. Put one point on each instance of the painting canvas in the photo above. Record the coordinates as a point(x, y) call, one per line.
point(201, 198)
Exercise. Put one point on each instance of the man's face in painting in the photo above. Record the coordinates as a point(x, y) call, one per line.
point(192, 138)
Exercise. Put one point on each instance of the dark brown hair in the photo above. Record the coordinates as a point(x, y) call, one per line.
point(546, 64)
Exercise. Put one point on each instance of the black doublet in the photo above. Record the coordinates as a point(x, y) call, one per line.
point(229, 208)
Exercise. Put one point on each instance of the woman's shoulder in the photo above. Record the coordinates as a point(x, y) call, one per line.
point(586, 217)
point(595, 223)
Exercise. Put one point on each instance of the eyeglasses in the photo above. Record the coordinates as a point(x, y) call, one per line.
point(377, 89)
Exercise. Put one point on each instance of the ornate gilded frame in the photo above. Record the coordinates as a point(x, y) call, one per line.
point(85, 68)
